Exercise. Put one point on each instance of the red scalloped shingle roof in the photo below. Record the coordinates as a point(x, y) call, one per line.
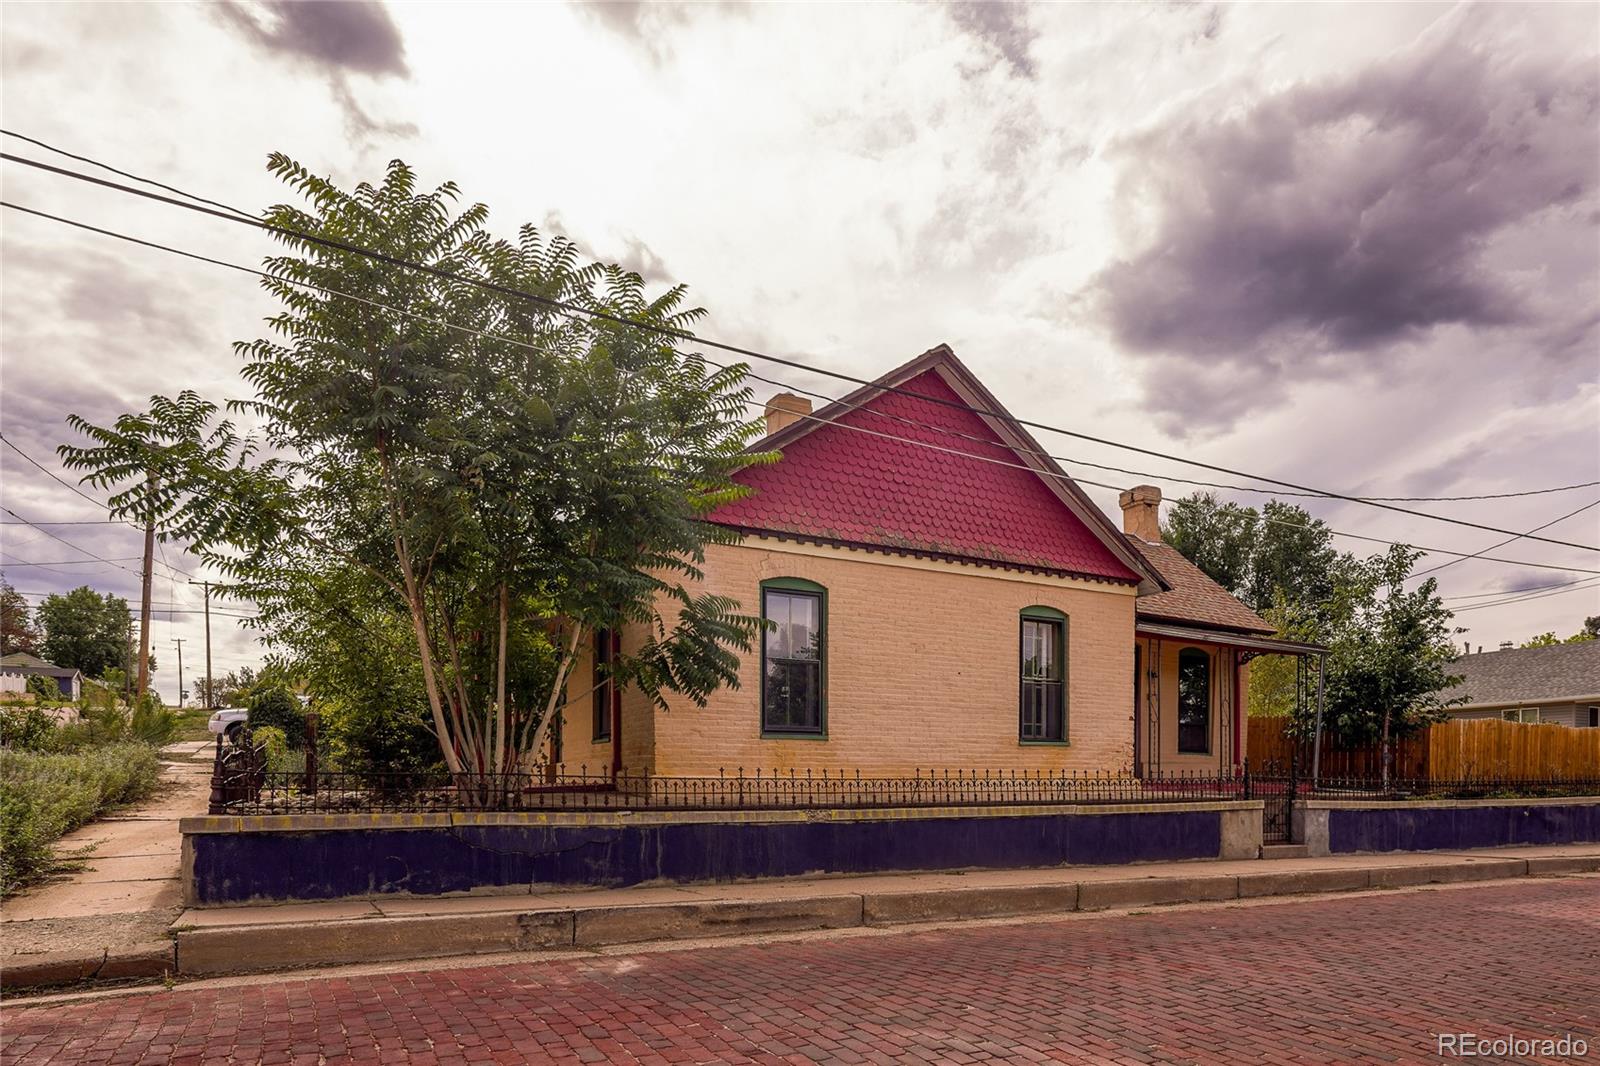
point(841, 485)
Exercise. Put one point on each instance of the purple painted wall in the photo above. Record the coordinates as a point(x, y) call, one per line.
point(238, 867)
point(1450, 828)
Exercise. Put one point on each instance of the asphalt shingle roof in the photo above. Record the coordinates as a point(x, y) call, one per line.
point(1529, 675)
point(856, 488)
point(1194, 598)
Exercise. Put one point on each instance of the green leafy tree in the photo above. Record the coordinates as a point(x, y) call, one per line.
point(1220, 538)
point(85, 630)
point(18, 631)
point(277, 708)
point(1590, 631)
point(1390, 652)
point(232, 689)
point(512, 481)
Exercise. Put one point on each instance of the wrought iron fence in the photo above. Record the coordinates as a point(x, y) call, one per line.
point(243, 784)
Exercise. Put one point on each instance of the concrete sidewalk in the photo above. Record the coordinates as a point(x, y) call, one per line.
point(111, 918)
point(245, 939)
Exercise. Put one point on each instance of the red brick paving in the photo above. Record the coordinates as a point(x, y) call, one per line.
point(1347, 979)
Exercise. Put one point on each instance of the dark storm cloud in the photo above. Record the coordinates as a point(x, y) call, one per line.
point(1001, 25)
point(1341, 219)
point(354, 36)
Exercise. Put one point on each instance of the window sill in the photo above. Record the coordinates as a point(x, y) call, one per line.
point(1044, 743)
point(793, 736)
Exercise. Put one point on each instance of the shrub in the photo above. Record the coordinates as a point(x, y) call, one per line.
point(153, 722)
point(277, 707)
point(27, 728)
point(45, 796)
point(371, 736)
point(44, 688)
point(277, 747)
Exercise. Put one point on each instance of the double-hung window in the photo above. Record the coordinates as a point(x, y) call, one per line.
point(1194, 702)
point(793, 658)
point(1042, 715)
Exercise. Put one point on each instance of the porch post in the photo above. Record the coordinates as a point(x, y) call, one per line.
point(1238, 708)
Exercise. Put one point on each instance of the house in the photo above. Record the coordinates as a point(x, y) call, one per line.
point(941, 595)
point(22, 664)
point(1557, 684)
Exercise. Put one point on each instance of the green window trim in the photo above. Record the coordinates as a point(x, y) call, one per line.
point(820, 593)
point(1027, 687)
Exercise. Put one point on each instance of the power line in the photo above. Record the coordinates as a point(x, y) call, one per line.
point(810, 417)
point(68, 522)
point(1515, 592)
point(568, 308)
point(68, 543)
point(1588, 587)
point(1508, 540)
point(100, 503)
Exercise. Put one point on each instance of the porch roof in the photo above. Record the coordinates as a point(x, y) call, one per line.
point(1250, 641)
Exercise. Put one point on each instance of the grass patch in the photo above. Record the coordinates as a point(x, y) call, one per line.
point(45, 796)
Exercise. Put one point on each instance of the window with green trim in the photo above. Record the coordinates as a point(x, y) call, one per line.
point(1042, 716)
point(793, 657)
point(600, 697)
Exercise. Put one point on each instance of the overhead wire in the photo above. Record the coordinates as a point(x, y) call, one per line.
point(812, 417)
point(566, 307)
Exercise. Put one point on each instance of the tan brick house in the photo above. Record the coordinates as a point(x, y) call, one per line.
point(942, 595)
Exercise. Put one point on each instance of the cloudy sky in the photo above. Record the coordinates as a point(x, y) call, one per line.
point(1355, 247)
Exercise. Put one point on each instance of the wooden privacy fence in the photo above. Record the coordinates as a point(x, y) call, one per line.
point(1462, 750)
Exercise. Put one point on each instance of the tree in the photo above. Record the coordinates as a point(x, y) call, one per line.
point(1390, 652)
point(85, 630)
point(1257, 555)
point(1220, 538)
point(18, 631)
point(512, 481)
point(232, 689)
point(1590, 631)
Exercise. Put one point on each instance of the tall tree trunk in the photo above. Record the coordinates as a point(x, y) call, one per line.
point(430, 677)
point(144, 584)
point(554, 701)
point(500, 685)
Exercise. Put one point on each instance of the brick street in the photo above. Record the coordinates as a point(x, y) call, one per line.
point(1346, 979)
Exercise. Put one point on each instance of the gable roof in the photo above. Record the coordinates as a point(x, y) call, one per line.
point(22, 658)
point(1193, 596)
point(1528, 675)
point(930, 474)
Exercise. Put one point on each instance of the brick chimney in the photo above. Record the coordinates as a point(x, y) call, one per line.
point(785, 409)
point(1141, 512)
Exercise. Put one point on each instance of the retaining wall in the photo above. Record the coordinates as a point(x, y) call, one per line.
point(1338, 827)
point(231, 860)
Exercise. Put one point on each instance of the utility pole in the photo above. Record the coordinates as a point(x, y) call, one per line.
point(210, 694)
point(144, 589)
point(127, 673)
point(179, 642)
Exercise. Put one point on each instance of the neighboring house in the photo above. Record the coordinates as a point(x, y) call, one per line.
point(1559, 684)
point(942, 596)
point(20, 663)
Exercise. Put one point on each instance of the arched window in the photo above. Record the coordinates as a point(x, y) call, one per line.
point(794, 660)
point(1042, 714)
point(1194, 702)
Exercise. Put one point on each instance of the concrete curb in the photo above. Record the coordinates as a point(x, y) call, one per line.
point(247, 948)
point(250, 947)
point(148, 960)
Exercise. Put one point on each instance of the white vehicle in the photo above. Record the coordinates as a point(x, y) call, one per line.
point(228, 722)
